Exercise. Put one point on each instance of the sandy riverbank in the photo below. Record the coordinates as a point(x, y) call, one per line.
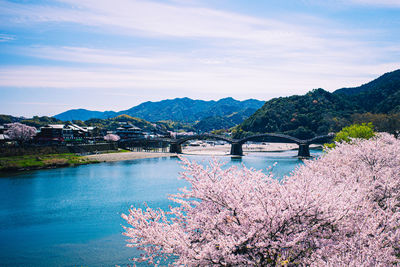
point(108, 157)
point(205, 149)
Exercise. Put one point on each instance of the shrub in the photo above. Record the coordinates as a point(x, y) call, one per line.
point(363, 131)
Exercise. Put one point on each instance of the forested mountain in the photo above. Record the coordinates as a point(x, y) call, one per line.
point(319, 112)
point(178, 109)
point(382, 95)
point(84, 114)
point(223, 122)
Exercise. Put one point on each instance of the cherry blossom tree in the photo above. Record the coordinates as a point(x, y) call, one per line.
point(20, 132)
point(339, 210)
point(111, 137)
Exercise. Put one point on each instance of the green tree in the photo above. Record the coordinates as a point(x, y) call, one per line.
point(361, 131)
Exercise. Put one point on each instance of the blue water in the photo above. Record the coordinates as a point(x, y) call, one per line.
point(72, 216)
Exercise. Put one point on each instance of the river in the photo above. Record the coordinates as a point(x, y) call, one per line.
point(72, 216)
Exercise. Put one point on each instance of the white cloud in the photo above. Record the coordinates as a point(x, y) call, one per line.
point(237, 54)
point(96, 56)
point(388, 3)
point(236, 81)
point(152, 19)
point(6, 38)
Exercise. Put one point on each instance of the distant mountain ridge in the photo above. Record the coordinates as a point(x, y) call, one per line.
point(84, 114)
point(178, 109)
point(381, 95)
point(319, 112)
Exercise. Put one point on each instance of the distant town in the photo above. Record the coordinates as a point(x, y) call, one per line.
point(73, 133)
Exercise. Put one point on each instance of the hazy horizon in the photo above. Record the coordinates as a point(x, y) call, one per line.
point(58, 55)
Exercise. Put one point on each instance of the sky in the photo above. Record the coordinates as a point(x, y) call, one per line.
point(112, 55)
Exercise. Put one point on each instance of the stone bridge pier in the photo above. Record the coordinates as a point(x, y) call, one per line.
point(236, 149)
point(304, 150)
point(175, 148)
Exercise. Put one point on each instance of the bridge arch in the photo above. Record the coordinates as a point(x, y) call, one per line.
point(176, 144)
point(322, 139)
point(180, 141)
point(236, 144)
point(273, 138)
point(144, 143)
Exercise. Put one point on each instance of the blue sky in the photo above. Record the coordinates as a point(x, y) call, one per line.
point(112, 55)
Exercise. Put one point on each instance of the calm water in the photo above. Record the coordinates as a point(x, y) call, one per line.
point(72, 216)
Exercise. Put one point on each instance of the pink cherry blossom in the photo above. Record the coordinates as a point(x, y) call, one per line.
point(20, 132)
point(111, 137)
point(341, 209)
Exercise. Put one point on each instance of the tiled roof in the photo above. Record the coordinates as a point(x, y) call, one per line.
point(4, 137)
point(55, 126)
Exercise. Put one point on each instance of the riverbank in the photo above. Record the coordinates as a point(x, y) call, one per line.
point(36, 162)
point(110, 157)
point(50, 161)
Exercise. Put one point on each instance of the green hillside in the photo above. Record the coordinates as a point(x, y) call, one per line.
point(381, 95)
point(320, 112)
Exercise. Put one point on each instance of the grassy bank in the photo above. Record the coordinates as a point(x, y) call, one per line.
point(33, 162)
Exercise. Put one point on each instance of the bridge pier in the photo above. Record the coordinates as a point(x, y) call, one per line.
point(175, 148)
point(304, 151)
point(236, 149)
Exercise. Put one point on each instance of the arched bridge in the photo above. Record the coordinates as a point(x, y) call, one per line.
point(176, 144)
point(203, 136)
point(236, 144)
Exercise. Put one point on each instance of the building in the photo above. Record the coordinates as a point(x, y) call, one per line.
point(4, 138)
point(126, 131)
point(78, 132)
point(61, 133)
point(53, 133)
point(2, 129)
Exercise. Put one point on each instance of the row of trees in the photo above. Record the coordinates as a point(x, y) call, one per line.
point(342, 209)
point(382, 122)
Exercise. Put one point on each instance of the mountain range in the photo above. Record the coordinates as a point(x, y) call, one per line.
point(319, 111)
point(208, 115)
point(303, 116)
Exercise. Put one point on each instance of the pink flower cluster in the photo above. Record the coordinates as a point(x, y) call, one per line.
point(339, 210)
point(111, 137)
point(20, 132)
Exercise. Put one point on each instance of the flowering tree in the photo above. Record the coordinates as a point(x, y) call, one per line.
point(20, 132)
point(111, 137)
point(339, 210)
